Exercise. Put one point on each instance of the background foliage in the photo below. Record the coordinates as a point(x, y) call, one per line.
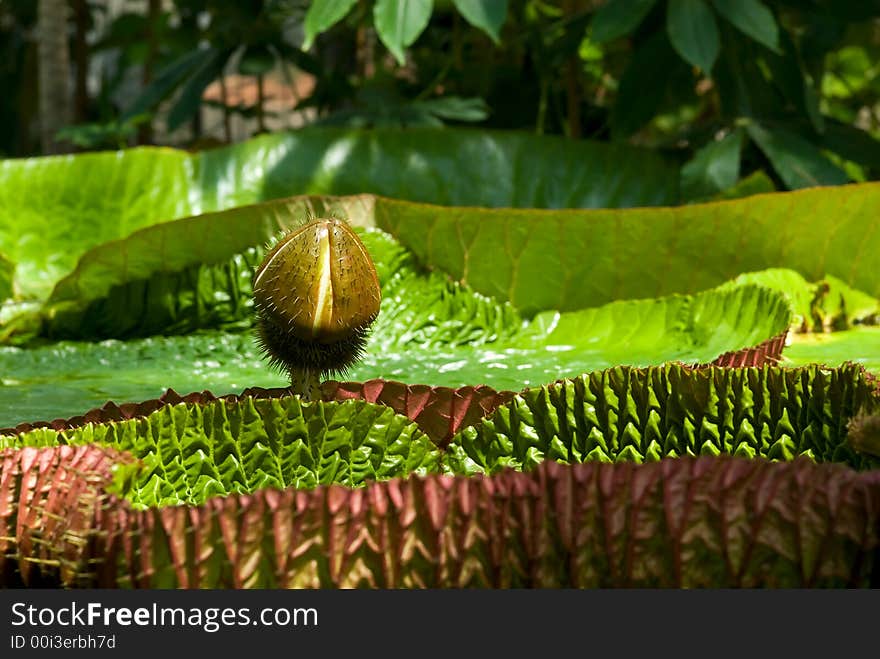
point(766, 95)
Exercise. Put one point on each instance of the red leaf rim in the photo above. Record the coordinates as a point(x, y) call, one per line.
point(683, 522)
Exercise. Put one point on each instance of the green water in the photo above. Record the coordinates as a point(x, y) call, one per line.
point(70, 378)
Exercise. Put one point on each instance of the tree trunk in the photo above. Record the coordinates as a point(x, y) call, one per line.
point(154, 13)
point(81, 60)
point(54, 66)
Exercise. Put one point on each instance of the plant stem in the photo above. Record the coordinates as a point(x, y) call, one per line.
point(305, 383)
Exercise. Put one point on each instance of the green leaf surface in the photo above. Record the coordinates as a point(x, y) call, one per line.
point(714, 168)
point(322, 15)
point(752, 18)
point(755, 183)
point(190, 99)
point(487, 15)
point(643, 85)
point(617, 18)
point(400, 22)
point(529, 258)
point(860, 345)
point(454, 108)
point(852, 143)
point(54, 209)
point(168, 80)
point(625, 414)
point(798, 163)
point(693, 32)
point(192, 452)
point(821, 306)
point(603, 255)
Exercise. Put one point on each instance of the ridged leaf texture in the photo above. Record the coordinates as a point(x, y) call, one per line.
point(190, 452)
point(644, 415)
point(690, 522)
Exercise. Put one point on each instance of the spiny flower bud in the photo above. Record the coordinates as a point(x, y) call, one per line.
point(316, 294)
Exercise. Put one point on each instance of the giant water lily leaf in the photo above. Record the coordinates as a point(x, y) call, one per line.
point(191, 452)
point(570, 259)
point(626, 414)
point(691, 522)
point(538, 260)
point(548, 259)
point(149, 281)
point(53, 209)
point(829, 304)
point(430, 331)
point(860, 345)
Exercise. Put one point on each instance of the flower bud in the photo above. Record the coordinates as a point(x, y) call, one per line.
point(316, 294)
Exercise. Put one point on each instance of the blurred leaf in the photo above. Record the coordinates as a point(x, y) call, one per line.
point(713, 168)
point(112, 134)
point(643, 85)
point(798, 162)
point(755, 183)
point(322, 15)
point(618, 18)
point(752, 18)
point(190, 99)
point(400, 22)
point(693, 32)
point(455, 108)
point(791, 79)
point(168, 80)
point(852, 144)
point(256, 61)
point(487, 15)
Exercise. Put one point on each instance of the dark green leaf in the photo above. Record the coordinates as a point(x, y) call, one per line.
point(755, 183)
point(617, 18)
point(168, 80)
point(790, 78)
point(400, 22)
point(693, 32)
point(853, 144)
point(799, 163)
point(487, 15)
point(643, 86)
point(752, 18)
point(455, 108)
point(713, 168)
point(190, 100)
point(256, 61)
point(322, 15)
